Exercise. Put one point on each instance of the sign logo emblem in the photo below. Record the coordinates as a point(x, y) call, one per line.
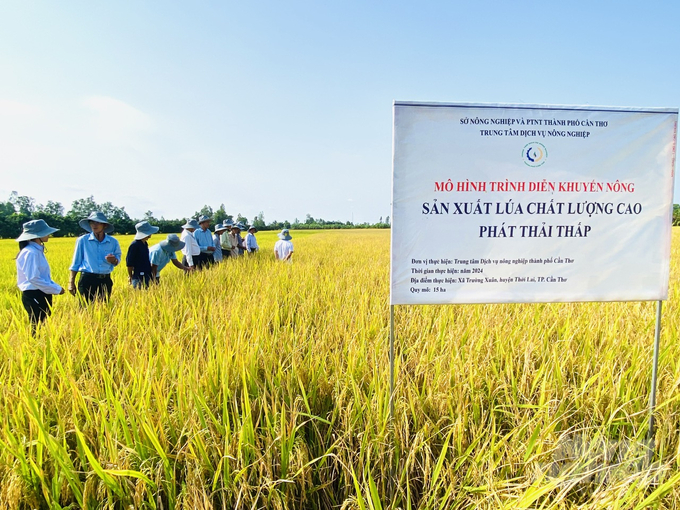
point(534, 154)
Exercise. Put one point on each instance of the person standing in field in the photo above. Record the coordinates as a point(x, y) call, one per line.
point(239, 238)
point(236, 240)
point(283, 249)
point(204, 239)
point(191, 249)
point(217, 240)
point(251, 242)
point(137, 259)
point(225, 239)
point(162, 253)
point(33, 272)
point(95, 256)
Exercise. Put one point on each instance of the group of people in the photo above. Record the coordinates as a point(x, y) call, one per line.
point(97, 253)
point(204, 248)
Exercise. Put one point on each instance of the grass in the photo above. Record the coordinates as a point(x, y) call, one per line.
point(266, 385)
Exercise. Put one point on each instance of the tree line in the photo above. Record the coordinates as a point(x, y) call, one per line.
point(19, 209)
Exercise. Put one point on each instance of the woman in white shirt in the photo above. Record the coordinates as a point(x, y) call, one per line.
point(33, 272)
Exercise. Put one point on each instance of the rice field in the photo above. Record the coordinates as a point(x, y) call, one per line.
point(258, 384)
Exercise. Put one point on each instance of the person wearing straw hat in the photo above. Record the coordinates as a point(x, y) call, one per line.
point(225, 239)
point(191, 250)
point(95, 256)
point(204, 239)
point(137, 259)
point(33, 272)
point(162, 253)
point(283, 249)
point(251, 242)
point(217, 239)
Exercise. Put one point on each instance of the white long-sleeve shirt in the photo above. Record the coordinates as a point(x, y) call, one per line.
point(33, 271)
point(191, 248)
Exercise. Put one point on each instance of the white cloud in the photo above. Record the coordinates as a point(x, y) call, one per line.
point(16, 110)
point(117, 122)
point(47, 149)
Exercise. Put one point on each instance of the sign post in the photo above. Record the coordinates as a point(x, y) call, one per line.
point(514, 203)
point(652, 394)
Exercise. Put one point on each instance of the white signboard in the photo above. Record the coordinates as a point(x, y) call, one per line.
point(496, 203)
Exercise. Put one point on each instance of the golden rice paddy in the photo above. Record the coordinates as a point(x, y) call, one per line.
point(258, 384)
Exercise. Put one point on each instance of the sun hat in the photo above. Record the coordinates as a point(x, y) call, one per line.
point(240, 226)
point(98, 217)
point(35, 229)
point(203, 218)
point(228, 223)
point(172, 243)
point(252, 227)
point(219, 227)
point(191, 223)
point(144, 229)
point(237, 226)
point(285, 235)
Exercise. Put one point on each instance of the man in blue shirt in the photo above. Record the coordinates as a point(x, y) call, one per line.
point(204, 238)
point(162, 253)
point(251, 242)
point(94, 257)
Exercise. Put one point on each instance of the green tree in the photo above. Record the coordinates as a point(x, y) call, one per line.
point(220, 214)
point(6, 208)
point(22, 204)
point(51, 209)
point(82, 207)
point(206, 210)
point(118, 217)
point(258, 222)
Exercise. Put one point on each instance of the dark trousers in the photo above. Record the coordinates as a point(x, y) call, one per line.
point(204, 260)
point(194, 258)
point(226, 254)
point(95, 286)
point(37, 304)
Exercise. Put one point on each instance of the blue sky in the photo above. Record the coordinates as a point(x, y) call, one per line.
point(286, 107)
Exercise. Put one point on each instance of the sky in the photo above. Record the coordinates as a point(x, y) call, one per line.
point(285, 108)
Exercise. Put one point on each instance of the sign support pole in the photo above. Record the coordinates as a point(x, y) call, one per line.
point(393, 467)
point(652, 397)
point(392, 365)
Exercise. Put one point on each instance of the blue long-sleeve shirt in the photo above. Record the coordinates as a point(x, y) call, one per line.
point(90, 254)
point(204, 238)
point(251, 243)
